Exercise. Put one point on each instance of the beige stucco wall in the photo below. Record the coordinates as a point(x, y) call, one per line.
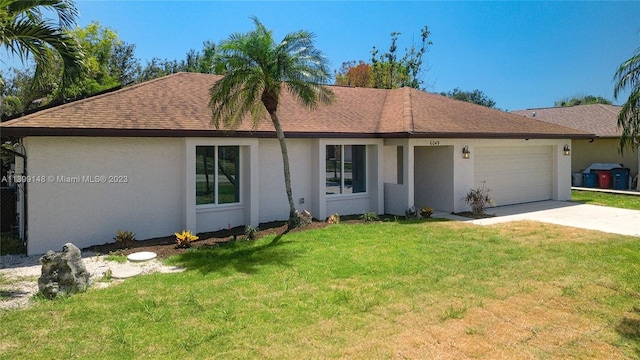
point(155, 195)
point(601, 150)
point(94, 186)
point(419, 172)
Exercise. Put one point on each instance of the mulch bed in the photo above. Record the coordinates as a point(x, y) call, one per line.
point(166, 246)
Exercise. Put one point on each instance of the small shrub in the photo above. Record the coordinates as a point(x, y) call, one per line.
point(478, 199)
point(184, 239)
point(426, 212)
point(11, 244)
point(107, 276)
point(370, 216)
point(333, 219)
point(124, 238)
point(251, 232)
point(410, 213)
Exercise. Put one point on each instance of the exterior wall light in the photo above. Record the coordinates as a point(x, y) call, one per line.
point(465, 152)
point(567, 151)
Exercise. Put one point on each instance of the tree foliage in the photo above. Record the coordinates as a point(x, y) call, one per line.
point(358, 75)
point(388, 70)
point(204, 61)
point(474, 96)
point(99, 45)
point(108, 62)
point(257, 70)
point(583, 100)
point(627, 77)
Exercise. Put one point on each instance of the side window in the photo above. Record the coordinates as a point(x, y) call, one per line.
point(217, 174)
point(346, 169)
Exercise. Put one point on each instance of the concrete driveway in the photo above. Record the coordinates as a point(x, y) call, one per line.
point(592, 217)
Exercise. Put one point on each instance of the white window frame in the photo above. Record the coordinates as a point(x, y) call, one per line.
point(216, 204)
point(342, 162)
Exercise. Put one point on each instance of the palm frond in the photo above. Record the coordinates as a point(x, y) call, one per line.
point(628, 74)
point(257, 68)
point(629, 122)
point(628, 77)
point(65, 10)
point(26, 33)
point(38, 39)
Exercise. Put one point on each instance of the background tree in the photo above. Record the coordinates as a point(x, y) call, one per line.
point(257, 70)
point(108, 62)
point(584, 100)
point(352, 74)
point(25, 32)
point(199, 62)
point(391, 72)
point(627, 77)
point(475, 96)
point(20, 93)
point(105, 53)
point(388, 70)
point(123, 65)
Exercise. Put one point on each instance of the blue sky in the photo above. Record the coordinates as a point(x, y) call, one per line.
point(521, 54)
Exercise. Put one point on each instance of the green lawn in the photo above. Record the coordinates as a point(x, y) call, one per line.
point(606, 199)
point(360, 291)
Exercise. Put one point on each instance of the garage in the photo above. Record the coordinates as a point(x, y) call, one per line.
point(515, 174)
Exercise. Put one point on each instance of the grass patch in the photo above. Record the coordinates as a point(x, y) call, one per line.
point(405, 289)
point(116, 257)
point(606, 199)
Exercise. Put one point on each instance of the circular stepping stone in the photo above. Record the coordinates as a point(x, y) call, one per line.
point(125, 271)
point(141, 256)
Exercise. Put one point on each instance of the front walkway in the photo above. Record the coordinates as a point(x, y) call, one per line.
point(566, 213)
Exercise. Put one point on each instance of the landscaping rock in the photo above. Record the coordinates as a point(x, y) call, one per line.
point(62, 273)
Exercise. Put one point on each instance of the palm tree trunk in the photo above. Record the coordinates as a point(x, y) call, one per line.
point(287, 174)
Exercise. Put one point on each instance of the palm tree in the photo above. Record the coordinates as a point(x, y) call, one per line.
point(256, 70)
point(628, 77)
point(25, 32)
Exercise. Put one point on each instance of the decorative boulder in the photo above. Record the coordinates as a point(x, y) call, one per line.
point(63, 273)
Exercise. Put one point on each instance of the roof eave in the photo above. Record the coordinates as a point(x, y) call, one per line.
point(105, 132)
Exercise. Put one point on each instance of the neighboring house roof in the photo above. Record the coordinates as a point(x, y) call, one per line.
point(177, 105)
point(598, 119)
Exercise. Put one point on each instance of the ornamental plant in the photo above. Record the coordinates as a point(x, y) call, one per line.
point(184, 239)
point(426, 212)
point(124, 238)
point(251, 232)
point(333, 219)
point(478, 199)
point(370, 216)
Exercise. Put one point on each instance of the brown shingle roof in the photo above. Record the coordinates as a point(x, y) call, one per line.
point(177, 105)
point(599, 119)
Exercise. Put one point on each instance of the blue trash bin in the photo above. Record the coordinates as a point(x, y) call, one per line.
point(590, 180)
point(620, 178)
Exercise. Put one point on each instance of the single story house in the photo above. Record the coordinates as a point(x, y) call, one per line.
point(146, 159)
point(598, 119)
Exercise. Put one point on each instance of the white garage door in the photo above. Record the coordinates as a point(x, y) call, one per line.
point(514, 174)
